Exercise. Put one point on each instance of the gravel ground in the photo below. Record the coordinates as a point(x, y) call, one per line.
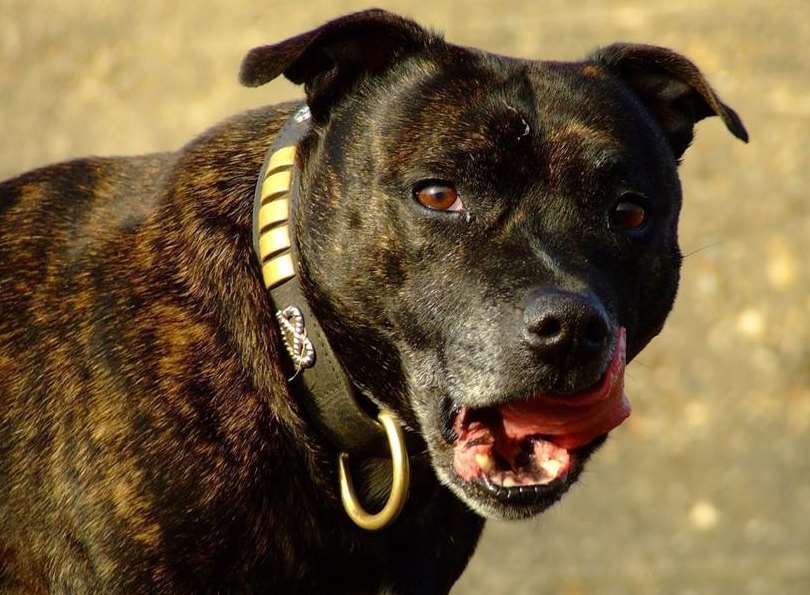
point(706, 489)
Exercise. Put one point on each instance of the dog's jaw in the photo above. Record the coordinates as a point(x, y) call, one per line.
point(514, 460)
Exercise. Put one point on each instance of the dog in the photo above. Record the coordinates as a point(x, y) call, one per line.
point(485, 242)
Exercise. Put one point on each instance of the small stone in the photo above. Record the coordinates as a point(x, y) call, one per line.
point(704, 515)
point(782, 266)
point(751, 323)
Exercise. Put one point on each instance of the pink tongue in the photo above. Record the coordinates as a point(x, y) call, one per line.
point(570, 421)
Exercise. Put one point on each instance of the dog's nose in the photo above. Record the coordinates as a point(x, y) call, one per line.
point(562, 325)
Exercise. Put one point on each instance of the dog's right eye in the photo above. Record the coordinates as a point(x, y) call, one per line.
point(438, 196)
point(630, 214)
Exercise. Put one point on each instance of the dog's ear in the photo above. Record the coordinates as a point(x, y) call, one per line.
point(671, 87)
point(331, 59)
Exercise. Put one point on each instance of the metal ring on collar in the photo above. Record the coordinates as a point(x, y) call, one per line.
point(400, 469)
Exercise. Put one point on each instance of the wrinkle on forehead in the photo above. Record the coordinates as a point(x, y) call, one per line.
point(567, 145)
point(583, 133)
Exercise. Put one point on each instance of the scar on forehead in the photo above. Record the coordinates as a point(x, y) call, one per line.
point(526, 128)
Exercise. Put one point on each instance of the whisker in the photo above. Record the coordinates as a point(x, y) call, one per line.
point(701, 249)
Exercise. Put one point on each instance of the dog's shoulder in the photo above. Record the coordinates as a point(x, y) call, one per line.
point(96, 237)
point(114, 277)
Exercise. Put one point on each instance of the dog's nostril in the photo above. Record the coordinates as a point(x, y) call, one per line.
point(595, 332)
point(547, 327)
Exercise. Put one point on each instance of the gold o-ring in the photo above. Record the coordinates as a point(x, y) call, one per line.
point(400, 469)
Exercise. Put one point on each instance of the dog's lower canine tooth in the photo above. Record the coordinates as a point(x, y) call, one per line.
point(509, 482)
point(485, 461)
point(552, 467)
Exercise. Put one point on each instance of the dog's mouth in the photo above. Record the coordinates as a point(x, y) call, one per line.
point(528, 452)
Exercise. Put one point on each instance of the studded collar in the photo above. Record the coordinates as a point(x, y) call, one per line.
point(316, 375)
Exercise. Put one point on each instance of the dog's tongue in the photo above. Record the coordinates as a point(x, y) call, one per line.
point(570, 421)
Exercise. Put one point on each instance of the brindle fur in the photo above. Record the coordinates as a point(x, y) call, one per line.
point(148, 441)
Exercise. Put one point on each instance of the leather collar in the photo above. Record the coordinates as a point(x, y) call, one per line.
point(317, 378)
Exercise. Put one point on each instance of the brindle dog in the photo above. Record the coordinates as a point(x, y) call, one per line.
point(148, 439)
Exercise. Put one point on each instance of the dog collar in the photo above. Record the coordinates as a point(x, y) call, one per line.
point(327, 394)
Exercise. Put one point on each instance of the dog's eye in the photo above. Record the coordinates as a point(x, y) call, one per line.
point(438, 196)
point(629, 214)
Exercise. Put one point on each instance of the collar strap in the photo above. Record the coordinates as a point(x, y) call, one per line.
point(328, 397)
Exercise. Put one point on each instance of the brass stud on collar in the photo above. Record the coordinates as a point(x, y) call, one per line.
point(284, 157)
point(273, 213)
point(277, 271)
point(276, 184)
point(273, 241)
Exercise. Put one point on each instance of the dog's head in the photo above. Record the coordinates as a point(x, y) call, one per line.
point(482, 234)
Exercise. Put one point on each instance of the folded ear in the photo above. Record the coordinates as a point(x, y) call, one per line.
point(331, 59)
point(671, 87)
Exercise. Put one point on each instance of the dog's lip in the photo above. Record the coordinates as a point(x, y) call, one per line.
point(576, 419)
point(603, 401)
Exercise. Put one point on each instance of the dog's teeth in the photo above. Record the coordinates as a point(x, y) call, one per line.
point(551, 466)
point(485, 461)
point(509, 482)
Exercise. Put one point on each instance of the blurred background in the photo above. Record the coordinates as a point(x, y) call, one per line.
point(706, 488)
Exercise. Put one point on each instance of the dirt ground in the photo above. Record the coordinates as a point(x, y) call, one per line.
point(706, 489)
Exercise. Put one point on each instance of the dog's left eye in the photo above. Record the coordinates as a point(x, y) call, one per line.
point(629, 214)
point(438, 196)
